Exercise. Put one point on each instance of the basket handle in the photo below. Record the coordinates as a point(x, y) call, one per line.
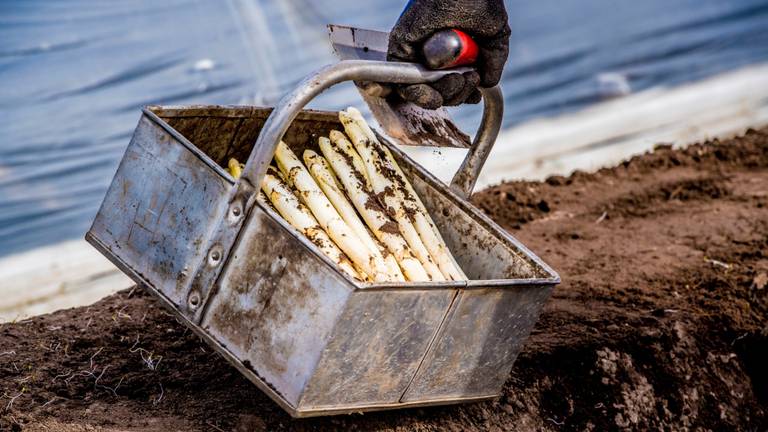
point(377, 71)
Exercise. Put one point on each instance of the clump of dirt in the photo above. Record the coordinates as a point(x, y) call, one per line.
point(660, 322)
point(515, 207)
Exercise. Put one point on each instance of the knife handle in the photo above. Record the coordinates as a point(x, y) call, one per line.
point(449, 48)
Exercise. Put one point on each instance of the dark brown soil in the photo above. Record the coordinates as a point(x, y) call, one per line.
point(660, 322)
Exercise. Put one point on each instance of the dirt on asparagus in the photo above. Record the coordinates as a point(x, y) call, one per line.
point(660, 321)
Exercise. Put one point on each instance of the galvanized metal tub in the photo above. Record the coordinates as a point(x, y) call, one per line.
point(313, 339)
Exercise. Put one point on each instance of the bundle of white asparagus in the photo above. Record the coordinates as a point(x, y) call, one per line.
point(354, 202)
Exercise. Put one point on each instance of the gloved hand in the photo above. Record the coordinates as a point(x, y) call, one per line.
point(484, 20)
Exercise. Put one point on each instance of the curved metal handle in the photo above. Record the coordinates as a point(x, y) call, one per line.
point(379, 71)
point(463, 182)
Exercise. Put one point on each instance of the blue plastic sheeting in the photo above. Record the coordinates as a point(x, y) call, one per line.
point(74, 74)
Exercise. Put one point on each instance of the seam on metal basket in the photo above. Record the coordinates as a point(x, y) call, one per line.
point(431, 343)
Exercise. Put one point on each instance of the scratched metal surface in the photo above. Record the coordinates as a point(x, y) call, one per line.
point(376, 348)
point(277, 305)
point(156, 212)
point(478, 343)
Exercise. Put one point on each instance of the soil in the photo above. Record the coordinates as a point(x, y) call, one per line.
point(660, 322)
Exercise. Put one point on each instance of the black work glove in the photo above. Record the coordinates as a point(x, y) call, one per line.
point(483, 20)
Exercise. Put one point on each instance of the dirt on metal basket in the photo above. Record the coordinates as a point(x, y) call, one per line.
point(256, 290)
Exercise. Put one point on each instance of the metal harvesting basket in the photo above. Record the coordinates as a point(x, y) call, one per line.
point(256, 290)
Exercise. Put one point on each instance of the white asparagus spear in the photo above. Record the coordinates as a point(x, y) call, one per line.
point(323, 174)
point(391, 196)
point(297, 195)
point(265, 199)
point(313, 197)
point(391, 262)
point(345, 146)
point(375, 217)
point(423, 222)
point(293, 211)
point(234, 168)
